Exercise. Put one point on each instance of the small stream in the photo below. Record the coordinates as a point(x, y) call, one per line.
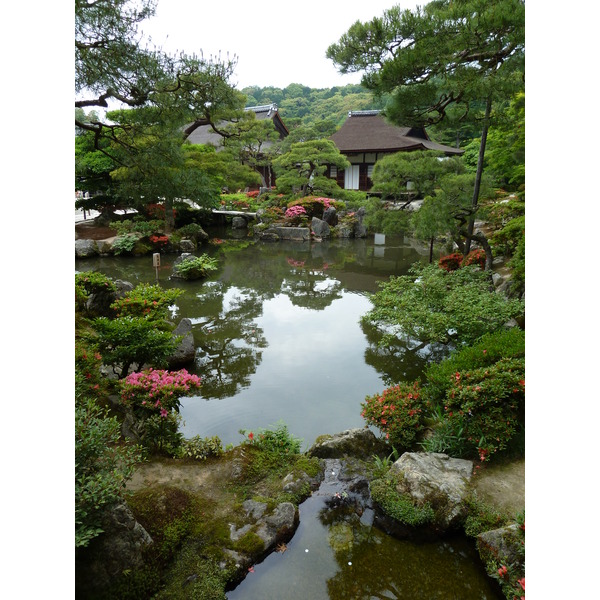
point(338, 554)
point(279, 338)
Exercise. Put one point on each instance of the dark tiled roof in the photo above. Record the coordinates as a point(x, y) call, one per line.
point(368, 131)
point(202, 133)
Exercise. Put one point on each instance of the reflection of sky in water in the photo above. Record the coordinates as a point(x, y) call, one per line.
point(312, 374)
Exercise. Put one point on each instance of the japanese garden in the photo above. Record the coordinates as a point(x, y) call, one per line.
point(300, 315)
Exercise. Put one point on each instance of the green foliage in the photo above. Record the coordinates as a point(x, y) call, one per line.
point(381, 218)
point(102, 466)
point(397, 505)
point(192, 231)
point(138, 225)
point(506, 144)
point(93, 282)
point(482, 517)
point(274, 441)
point(505, 240)
point(146, 300)
point(517, 264)
point(489, 349)
point(125, 341)
point(397, 412)
point(488, 404)
point(444, 436)
point(424, 169)
point(431, 304)
point(303, 167)
point(194, 267)
point(125, 244)
point(381, 466)
point(198, 448)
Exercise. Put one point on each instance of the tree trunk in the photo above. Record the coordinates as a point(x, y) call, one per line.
point(484, 133)
point(169, 217)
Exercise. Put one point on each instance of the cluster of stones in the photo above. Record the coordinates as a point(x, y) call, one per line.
point(344, 478)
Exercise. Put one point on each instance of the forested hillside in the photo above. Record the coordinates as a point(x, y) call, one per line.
point(328, 108)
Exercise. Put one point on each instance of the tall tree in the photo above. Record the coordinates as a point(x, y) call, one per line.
point(114, 67)
point(449, 53)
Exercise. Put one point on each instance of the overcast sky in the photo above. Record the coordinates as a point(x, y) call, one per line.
point(276, 43)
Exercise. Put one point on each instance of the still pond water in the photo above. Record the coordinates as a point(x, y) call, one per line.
point(278, 337)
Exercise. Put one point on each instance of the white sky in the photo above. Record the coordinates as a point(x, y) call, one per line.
point(276, 43)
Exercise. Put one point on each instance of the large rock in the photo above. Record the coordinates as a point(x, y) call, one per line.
point(185, 353)
point(278, 527)
point(359, 442)
point(273, 528)
point(239, 223)
point(330, 216)
point(85, 248)
point(118, 549)
point(99, 304)
point(438, 479)
point(503, 547)
point(320, 228)
point(299, 234)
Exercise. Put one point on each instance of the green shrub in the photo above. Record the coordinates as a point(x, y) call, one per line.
point(397, 505)
point(93, 282)
point(191, 231)
point(506, 240)
point(397, 412)
point(194, 267)
point(198, 448)
point(146, 300)
point(490, 348)
point(102, 466)
point(482, 517)
point(274, 441)
point(487, 404)
point(127, 340)
point(434, 305)
point(124, 244)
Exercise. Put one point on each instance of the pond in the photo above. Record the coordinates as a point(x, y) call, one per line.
point(278, 334)
point(279, 339)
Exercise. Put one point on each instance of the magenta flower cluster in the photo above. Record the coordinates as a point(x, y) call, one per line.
point(295, 211)
point(158, 389)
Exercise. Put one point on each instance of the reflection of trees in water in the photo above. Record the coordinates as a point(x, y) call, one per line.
point(399, 360)
point(309, 287)
point(228, 341)
point(385, 567)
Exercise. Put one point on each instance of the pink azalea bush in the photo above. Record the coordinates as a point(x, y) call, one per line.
point(158, 391)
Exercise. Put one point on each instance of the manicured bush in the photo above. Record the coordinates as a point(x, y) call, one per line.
point(154, 396)
point(145, 300)
point(195, 267)
point(490, 348)
point(487, 404)
point(125, 341)
point(198, 448)
point(450, 262)
point(434, 305)
point(397, 412)
point(124, 244)
point(93, 282)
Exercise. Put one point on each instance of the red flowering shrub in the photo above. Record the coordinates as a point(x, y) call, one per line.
point(253, 194)
point(159, 240)
point(487, 404)
point(451, 262)
point(475, 257)
point(397, 412)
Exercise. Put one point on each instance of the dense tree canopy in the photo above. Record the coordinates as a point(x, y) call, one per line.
point(155, 95)
point(464, 55)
